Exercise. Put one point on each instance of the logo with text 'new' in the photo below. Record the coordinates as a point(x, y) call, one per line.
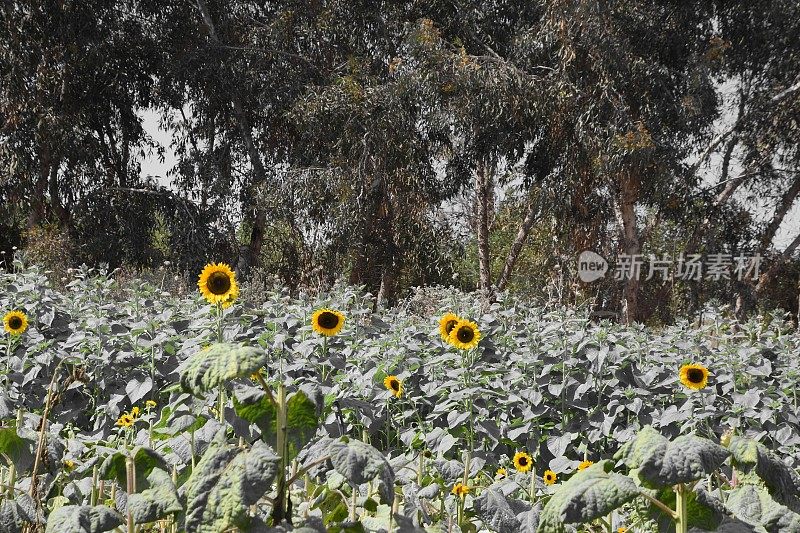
point(687, 267)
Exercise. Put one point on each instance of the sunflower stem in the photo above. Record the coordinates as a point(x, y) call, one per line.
point(532, 487)
point(681, 510)
point(279, 509)
point(130, 474)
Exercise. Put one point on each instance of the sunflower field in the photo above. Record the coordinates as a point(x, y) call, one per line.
point(127, 408)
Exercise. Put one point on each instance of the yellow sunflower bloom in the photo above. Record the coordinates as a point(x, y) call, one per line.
point(501, 473)
point(327, 322)
point(585, 464)
point(522, 462)
point(232, 297)
point(217, 284)
point(69, 464)
point(459, 489)
point(135, 412)
point(394, 385)
point(694, 376)
point(549, 477)
point(446, 325)
point(149, 404)
point(125, 420)
point(622, 530)
point(15, 322)
point(465, 335)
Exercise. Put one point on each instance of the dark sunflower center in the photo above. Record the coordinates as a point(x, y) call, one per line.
point(15, 322)
point(523, 461)
point(218, 283)
point(394, 384)
point(549, 476)
point(328, 320)
point(695, 375)
point(465, 334)
point(449, 326)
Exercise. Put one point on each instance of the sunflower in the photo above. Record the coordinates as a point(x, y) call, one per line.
point(149, 404)
point(15, 322)
point(125, 420)
point(549, 477)
point(465, 335)
point(135, 411)
point(501, 473)
point(694, 376)
point(217, 284)
point(232, 297)
point(446, 325)
point(622, 530)
point(394, 385)
point(327, 322)
point(522, 462)
point(69, 464)
point(459, 489)
point(585, 464)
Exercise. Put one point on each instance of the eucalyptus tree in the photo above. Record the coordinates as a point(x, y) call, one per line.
point(630, 87)
point(74, 75)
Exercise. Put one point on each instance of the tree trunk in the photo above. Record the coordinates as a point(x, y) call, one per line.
point(251, 258)
point(484, 187)
point(780, 213)
point(532, 214)
point(626, 217)
point(767, 277)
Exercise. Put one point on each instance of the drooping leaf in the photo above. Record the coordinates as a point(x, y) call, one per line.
point(588, 494)
point(83, 519)
point(219, 363)
point(529, 520)
point(301, 421)
point(225, 482)
point(254, 405)
point(144, 459)
point(18, 449)
point(704, 510)
point(359, 462)
point(451, 471)
point(495, 512)
point(664, 463)
point(782, 482)
point(313, 454)
point(14, 515)
point(157, 501)
point(752, 504)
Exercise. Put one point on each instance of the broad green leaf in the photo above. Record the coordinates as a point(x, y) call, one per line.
point(254, 405)
point(14, 515)
point(529, 520)
point(301, 421)
point(225, 483)
point(704, 511)
point(313, 454)
point(359, 462)
point(495, 512)
point(213, 366)
point(144, 459)
point(333, 508)
point(15, 447)
point(752, 504)
point(782, 482)
point(83, 519)
point(662, 463)
point(157, 501)
point(588, 494)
